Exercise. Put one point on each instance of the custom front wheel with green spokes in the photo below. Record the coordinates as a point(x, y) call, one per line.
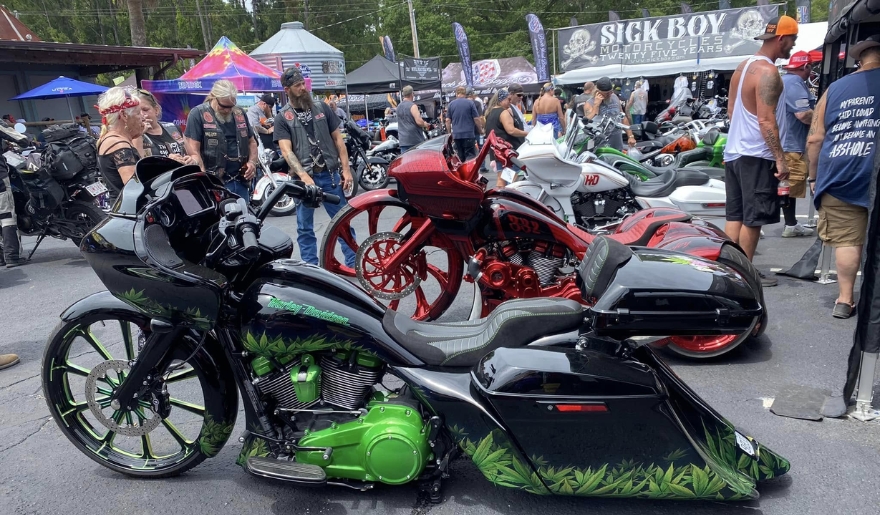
point(86, 360)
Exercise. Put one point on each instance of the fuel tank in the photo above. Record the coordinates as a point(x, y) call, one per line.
point(293, 307)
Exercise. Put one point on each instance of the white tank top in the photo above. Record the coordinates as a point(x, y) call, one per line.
point(744, 137)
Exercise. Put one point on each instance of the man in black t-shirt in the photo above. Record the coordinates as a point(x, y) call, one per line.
point(310, 140)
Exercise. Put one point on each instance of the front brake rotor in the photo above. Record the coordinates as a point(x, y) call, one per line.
point(138, 427)
point(370, 270)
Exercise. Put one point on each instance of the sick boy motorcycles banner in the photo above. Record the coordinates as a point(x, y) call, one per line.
point(702, 35)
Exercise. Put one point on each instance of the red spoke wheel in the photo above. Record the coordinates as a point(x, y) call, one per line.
point(425, 284)
point(710, 346)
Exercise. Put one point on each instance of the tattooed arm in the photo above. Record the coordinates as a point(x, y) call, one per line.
point(815, 138)
point(295, 167)
point(768, 91)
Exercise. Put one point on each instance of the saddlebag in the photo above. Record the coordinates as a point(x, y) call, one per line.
point(601, 420)
point(46, 194)
point(654, 292)
point(69, 152)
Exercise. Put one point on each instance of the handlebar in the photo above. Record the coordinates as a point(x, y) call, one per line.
point(310, 195)
point(250, 248)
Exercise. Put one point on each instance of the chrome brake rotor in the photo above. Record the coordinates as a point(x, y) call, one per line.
point(369, 251)
point(138, 427)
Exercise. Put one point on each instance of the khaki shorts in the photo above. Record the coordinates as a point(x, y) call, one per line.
point(842, 224)
point(7, 205)
point(797, 174)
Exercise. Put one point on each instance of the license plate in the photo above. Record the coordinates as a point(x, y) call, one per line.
point(745, 444)
point(508, 175)
point(96, 189)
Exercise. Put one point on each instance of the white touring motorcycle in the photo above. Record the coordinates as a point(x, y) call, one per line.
point(585, 190)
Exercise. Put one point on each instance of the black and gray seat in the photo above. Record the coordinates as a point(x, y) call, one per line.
point(600, 265)
point(515, 323)
point(664, 184)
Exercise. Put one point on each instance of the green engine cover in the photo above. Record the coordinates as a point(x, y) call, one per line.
point(389, 445)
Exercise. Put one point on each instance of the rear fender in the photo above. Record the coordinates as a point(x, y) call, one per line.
point(703, 241)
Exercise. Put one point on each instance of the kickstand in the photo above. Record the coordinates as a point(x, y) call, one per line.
point(40, 239)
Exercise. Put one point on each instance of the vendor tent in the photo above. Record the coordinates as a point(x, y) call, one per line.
point(322, 65)
point(224, 61)
point(378, 75)
point(493, 74)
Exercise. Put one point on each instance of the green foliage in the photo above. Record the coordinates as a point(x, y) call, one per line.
point(253, 446)
point(280, 347)
point(496, 458)
point(214, 435)
point(722, 447)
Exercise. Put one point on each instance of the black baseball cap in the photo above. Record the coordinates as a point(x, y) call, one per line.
point(267, 98)
point(604, 84)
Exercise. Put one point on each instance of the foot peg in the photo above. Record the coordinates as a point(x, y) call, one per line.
point(290, 471)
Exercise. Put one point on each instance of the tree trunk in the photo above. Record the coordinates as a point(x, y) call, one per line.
point(204, 27)
point(136, 23)
point(115, 21)
point(98, 21)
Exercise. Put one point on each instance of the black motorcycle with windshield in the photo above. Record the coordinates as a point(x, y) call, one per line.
point(55, 190)
point(546, 396)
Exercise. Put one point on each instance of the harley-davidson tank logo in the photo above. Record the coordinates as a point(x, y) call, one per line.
point(309, 311)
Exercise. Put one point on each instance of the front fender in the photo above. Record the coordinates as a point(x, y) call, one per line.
point(386, 196)
point(102, 302)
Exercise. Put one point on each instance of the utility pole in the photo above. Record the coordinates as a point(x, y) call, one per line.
point(415, 33)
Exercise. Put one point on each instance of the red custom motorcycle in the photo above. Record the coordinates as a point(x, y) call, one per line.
point(440, 228)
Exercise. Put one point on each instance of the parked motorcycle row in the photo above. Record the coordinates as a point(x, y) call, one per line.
point(553, 386)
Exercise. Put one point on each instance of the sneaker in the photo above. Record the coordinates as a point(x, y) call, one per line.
point(767, 282)
point(762, 234)
point(843, 310)
point(793, 231)
point(7, 360)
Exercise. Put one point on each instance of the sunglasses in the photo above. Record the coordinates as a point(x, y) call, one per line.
point(520, 95)
point(224, 106)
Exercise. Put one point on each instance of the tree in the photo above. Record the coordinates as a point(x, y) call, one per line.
point(136, 22)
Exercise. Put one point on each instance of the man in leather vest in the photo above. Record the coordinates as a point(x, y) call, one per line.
point(221, 140)
point(311, 143)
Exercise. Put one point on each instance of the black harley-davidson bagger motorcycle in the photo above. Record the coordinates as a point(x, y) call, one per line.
point(543, 395)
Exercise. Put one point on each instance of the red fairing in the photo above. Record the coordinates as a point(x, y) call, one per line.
point(429, 185)
point(511, 217)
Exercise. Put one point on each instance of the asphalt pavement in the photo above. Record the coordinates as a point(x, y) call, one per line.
point(834, 462)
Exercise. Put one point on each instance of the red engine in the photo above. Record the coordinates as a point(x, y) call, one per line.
point(524, 269)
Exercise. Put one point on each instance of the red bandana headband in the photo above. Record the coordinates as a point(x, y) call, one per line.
point(128, 104)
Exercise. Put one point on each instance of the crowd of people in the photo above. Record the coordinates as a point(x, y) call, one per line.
point(771, 157)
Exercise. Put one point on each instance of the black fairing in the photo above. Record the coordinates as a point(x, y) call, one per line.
point(660, 292)
point(295, 301)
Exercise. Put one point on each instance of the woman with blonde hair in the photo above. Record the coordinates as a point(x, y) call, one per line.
point(120, 146)
point(161, 138)
point(548, 110)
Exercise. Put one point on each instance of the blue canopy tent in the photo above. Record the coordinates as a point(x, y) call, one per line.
point(62, 87)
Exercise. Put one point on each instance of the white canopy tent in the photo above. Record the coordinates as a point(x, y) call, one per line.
point(810, 37)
